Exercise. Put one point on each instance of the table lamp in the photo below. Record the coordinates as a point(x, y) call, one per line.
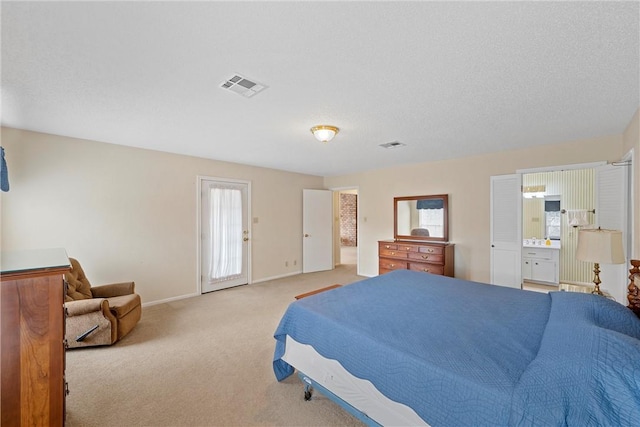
point(600, 246)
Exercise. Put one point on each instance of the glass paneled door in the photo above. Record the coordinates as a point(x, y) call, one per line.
point(225, 234)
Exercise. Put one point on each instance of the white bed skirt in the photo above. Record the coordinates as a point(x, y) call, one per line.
point(359, 393)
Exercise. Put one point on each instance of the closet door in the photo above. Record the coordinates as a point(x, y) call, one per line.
point(506, 230)
point(612, 201)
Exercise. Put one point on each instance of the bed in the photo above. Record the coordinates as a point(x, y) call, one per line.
point(411, 348)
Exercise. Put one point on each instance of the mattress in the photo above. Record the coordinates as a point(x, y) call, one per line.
point(357, 392)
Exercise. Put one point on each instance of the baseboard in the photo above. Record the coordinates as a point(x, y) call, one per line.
point(162, 301)
point(266, 279)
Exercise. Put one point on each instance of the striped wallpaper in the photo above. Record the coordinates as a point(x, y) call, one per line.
point(576, 191)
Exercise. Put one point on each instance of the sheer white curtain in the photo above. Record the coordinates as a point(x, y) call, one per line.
point(225, 233)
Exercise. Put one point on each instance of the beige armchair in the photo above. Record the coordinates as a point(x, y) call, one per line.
point(98, 315)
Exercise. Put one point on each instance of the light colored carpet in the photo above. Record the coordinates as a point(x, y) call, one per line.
point(202, 361)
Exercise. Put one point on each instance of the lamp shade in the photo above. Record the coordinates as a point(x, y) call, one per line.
point(324, 133)
point(601, 246)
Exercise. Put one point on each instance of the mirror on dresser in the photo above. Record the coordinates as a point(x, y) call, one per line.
point(420, 237)
point(423, 218)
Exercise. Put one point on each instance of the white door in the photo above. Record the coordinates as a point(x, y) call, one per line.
point(506, 230)
point(317, 230)
point(611, 213)
point(224, 225)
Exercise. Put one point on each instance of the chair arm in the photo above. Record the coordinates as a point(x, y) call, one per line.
point(113, 290)
point(84, 306)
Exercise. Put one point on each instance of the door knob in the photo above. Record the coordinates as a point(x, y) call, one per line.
point(306, 235)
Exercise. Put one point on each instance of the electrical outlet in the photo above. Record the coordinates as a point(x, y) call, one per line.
point(295, 262)
point(286, 263)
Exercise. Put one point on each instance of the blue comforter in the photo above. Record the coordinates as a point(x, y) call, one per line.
point(466, 353)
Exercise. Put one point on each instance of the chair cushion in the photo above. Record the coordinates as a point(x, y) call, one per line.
point(78, 286)
point(122, 305)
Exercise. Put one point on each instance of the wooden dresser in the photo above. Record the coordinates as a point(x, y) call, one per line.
point(430, 257)
point(33, 386)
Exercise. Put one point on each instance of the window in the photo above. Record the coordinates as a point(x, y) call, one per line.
point(552, 217)
point(432, 220)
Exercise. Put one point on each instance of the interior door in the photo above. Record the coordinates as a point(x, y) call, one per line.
point(611, 213)
point(225, 238)
point(317, 230)
point(506, 230)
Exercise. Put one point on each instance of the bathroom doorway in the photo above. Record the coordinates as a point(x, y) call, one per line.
point(556, 205)
point(347, 219)
point(558, 195)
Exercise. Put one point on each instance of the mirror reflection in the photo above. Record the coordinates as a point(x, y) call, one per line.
point(421, 218)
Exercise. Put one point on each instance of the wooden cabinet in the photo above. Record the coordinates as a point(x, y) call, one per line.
point(430, 257)
point(33, 386)
point(541, 265)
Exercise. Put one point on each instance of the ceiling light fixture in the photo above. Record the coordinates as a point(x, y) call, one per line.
point(324, 133)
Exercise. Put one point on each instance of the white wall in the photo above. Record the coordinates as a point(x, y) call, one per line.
point(466, 181)
point(130, 214)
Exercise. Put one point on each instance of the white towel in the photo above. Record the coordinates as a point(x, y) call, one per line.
point(577, 218)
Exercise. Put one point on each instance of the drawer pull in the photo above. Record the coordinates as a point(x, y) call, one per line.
point(408, 248)
point(430, 250)
point(426, 270)
point(425, 256)
point(393, 253)
point(392, 265)
point(387, 247)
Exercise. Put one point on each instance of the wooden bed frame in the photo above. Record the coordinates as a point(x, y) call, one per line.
point(633, 291)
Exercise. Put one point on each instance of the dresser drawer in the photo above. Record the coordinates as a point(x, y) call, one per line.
point(427, 268)
point(384, 245)
point(435, 250)
point(425, 257)
point(389, 264)
point(408, 248)
point(393, 253)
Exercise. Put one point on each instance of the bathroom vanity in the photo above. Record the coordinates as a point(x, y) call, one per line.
point(541, 262)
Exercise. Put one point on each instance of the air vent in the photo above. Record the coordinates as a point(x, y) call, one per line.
point(394, 144)
point(242, 86)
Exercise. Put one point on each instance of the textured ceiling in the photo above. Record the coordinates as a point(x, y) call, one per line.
point(448, 79)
